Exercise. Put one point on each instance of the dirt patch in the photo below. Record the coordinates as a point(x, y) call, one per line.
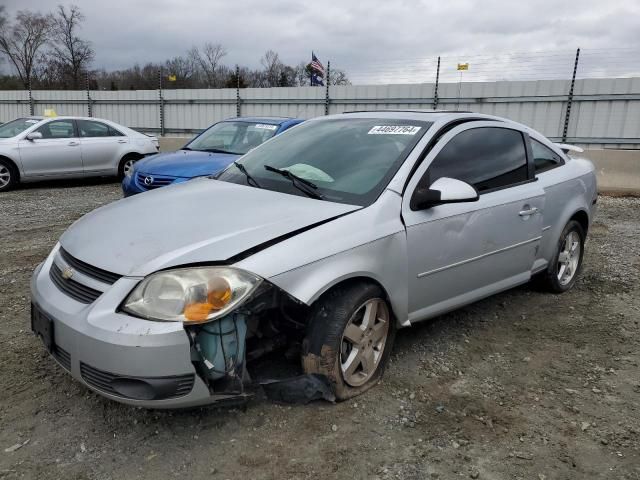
point(521, 385)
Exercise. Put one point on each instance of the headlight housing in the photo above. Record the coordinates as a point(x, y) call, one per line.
point(191, 295)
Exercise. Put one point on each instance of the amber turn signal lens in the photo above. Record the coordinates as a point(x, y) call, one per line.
point(197, 312)
point(218, 296)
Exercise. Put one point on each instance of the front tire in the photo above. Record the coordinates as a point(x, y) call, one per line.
point(8, 175)
point(562, 273)
point(349, 338)
point(126, 164)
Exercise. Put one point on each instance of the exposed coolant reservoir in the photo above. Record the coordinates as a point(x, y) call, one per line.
point(220, 346)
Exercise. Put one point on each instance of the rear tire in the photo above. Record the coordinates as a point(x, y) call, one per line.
point(349, 338)
point(127, 163)
point(8, 175)
point(562, 273)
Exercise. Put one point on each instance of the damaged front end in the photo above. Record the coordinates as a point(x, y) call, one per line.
point(232, 318)
point(224, 350)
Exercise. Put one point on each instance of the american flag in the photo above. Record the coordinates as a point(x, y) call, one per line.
point(316, 65)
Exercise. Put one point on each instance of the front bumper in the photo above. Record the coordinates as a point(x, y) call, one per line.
point(123, 358)
point(130, 186)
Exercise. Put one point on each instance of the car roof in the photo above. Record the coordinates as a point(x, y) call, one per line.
point(270, 120)
point(416, 114)
point(440, 117)
point(72, 117)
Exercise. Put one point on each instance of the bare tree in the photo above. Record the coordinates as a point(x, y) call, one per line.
point(22, 40)
point(184, 70)
point(303, 75)
point(272, 68)
point(338, 77)
point(3, 21)
point(73, 54)
point(208, 60)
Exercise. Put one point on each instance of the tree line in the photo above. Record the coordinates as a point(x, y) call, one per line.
point(46, 51)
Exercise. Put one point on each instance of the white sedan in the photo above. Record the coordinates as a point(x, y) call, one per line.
point(39, 148)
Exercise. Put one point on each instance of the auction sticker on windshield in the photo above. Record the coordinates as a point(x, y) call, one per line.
point(394, 130)
point(265, 127)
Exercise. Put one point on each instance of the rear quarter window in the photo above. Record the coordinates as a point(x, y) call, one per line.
point(544, 158)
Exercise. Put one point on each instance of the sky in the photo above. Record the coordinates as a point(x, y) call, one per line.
point(377, 41)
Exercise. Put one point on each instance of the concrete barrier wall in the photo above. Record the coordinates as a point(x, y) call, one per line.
point(618, 170)
point(170, 144)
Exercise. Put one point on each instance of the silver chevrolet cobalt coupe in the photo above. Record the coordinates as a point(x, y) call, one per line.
point(322, 241)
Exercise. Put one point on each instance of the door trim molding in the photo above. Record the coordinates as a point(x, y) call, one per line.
point(473, 259)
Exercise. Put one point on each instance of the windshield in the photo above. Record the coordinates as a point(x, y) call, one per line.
point(16, 127)
point(345, 160)
point(233, 137)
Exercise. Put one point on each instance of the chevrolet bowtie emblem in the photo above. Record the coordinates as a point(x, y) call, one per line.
point(67, 273)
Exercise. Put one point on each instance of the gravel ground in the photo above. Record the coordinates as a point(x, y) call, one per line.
point(522, 385)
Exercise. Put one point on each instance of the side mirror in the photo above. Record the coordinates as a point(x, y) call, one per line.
point(443, 190)
point(34, 136)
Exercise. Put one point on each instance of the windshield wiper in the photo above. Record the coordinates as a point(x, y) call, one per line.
point(216, 150)
point(186, 148)
point(298, 182)
point(250, 179)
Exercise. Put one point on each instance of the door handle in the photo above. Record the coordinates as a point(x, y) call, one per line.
point(122, 141)
point(528, 212)
point(73, 144)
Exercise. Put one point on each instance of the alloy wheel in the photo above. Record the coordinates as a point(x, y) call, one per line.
point(5, 176)
point(569, 258)
point(363, 342)
point(127, 167)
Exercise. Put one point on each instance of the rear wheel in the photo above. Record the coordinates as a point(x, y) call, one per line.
point(563, 271)
point(126, 164)
point(350, 338)
point(8, 175)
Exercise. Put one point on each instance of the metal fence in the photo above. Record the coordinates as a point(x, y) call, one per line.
point(603, 112)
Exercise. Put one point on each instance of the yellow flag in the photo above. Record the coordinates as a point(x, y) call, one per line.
point(172, 78)
point(463, 66)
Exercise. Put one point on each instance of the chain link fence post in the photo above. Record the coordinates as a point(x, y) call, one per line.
point(326, 97)
point(161, 102)
point(237, 91)
point(435, 90)
point(89, 106)
point(31, 109)
point(567, 115)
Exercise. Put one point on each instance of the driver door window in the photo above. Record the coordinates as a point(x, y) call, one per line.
point(487, 158)
point(57, 129)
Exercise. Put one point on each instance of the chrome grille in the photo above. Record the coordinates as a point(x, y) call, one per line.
point(75, 290)
point(148, 181)
point(89, 270)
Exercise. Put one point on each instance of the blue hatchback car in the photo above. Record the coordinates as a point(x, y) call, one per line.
point(206, 154)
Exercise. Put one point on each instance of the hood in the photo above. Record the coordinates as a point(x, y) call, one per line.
point(185, 163)
point(197, 221)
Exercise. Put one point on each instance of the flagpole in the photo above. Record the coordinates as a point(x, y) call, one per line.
point(459, 91)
